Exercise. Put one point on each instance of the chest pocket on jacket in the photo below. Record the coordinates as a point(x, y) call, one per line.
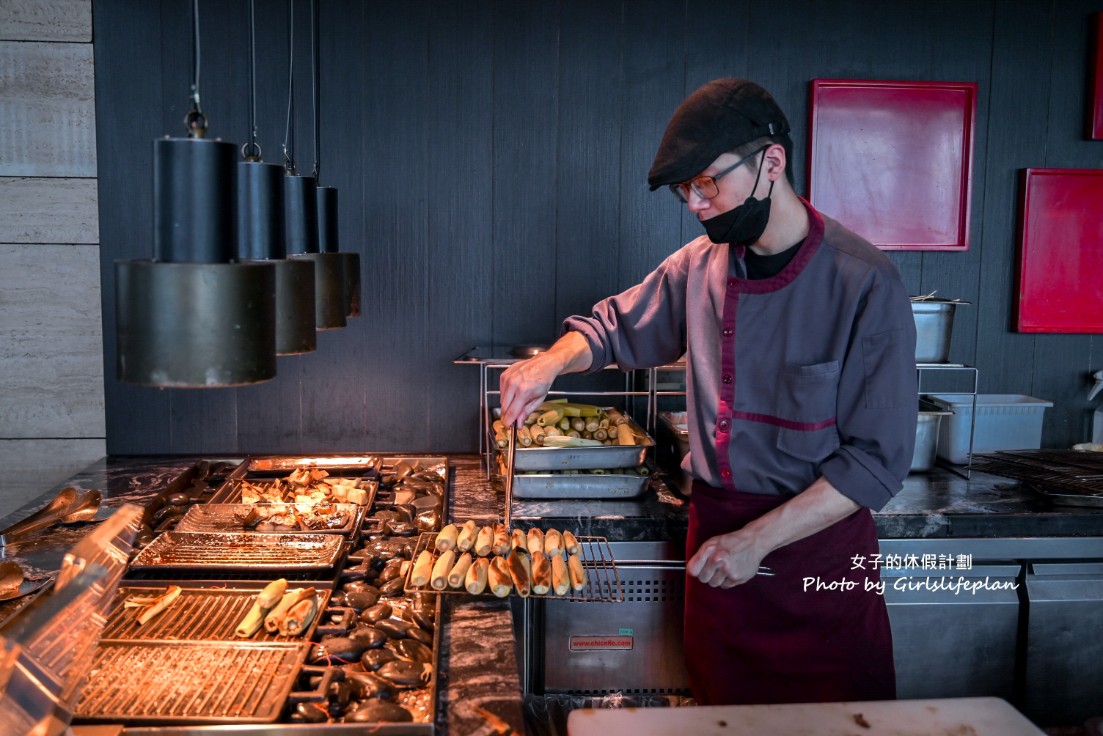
point(806, 408)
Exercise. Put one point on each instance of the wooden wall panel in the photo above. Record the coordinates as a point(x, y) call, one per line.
point(46, 20)
point(37, 210)
point(47, 111)
point(51, 370)
point(492, 160)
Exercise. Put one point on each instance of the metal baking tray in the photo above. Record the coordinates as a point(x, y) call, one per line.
point(367, 465)
point(223, 517)
point(200, 614)
point(551, 485)
point(158, 682)
point(1090, 500)
point(580, 458)
point(602, 578)
point(246, 552)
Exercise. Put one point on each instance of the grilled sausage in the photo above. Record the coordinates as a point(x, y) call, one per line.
point(520, 569)
point(443, 566)
point(466, 538)
point(535, 541)
point(541, 573)
point(423, 569)
point(578, 573)
point(475, 581)
point(561, 580)
point(484, 541)
point(498, 577)
point(459, 571)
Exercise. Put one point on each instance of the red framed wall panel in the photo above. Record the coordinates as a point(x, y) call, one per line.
point(893, 160)
point(1061, 251)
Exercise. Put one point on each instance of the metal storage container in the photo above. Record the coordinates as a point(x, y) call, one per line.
point(934, 321)
point(926, 437)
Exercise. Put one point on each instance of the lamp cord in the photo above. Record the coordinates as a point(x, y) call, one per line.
point(194, 120)
point(289, 134)
point(251, 150)
point(315, 83)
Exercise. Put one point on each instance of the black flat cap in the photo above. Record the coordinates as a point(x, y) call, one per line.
point(720, 116)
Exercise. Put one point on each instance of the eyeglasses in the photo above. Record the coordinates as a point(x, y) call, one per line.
point(705, 186)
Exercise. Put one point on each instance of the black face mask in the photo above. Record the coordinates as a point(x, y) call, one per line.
point(742, 225)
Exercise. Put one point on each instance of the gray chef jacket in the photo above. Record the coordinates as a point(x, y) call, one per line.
point(810, 372)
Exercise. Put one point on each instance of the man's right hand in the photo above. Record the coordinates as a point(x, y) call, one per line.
point(525, 385)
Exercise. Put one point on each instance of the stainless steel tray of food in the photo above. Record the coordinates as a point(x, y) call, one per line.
point(247, 552)
point(282, 518)
point(159, 682)
point(554, 485)
point(336, 464)
point(591, 576)
point(581, 458)
point(201, 613)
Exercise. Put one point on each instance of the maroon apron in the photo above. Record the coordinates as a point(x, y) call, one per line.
point(771, 640)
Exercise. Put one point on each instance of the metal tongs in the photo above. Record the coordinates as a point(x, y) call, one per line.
point(512, 435)
point(70, 506)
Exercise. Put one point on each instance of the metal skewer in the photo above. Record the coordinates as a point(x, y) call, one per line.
point(512, 435)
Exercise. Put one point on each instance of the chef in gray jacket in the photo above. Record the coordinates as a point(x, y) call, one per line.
point(800, 349)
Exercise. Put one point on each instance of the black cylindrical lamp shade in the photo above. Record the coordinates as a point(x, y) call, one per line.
point(260, 219)
point(262, 237)
point(192, 318)
point(328, 242)
point(195, 325)
point(301, 216)
point(194, 201)
point(352, 283)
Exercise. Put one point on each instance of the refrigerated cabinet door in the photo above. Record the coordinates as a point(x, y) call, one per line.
point(947, 644)
point(1064, 657)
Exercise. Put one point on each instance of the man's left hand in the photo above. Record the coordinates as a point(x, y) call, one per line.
point(726, 561)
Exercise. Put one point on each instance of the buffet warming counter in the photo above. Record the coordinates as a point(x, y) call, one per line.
point(1025, 636)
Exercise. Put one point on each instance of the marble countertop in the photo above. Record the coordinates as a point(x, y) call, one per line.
point(479, 680)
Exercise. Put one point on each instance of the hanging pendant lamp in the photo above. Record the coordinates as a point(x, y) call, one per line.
point(261, 232)
point(301, 215)
point(191, 317)
point(328, 221)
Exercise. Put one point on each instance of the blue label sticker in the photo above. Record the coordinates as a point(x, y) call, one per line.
point(625, 632)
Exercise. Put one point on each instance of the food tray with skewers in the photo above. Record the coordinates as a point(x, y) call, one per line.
point(494, 561)
point(608, 438)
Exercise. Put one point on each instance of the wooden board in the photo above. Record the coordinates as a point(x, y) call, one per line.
point(944, 717)
point(41, 210)
point(46, 20)
point(51, 355)
point(1061, 251)
point(47, 111)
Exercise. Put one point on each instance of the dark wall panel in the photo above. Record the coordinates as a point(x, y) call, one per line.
point(491, 159)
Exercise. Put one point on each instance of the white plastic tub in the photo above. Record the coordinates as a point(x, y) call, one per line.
point(1004, 422)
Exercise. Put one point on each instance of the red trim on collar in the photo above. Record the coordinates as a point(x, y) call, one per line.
point(811, 244)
